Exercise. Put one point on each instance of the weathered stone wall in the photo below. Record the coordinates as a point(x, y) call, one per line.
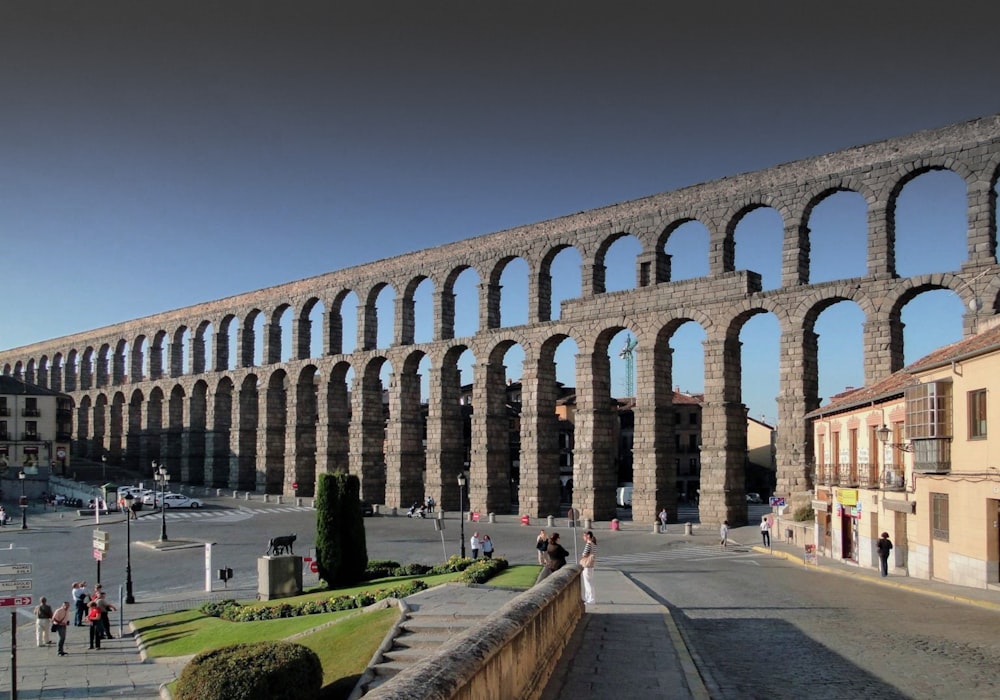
point(225, 421)
point(510, 655)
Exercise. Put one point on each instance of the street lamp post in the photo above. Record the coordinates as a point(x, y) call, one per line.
point(461, 508)
point(23, 502)
point(129, 598)
point(162, 477)
point(104, 468)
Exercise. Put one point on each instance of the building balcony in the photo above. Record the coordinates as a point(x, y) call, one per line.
point(64, 437)
point(828, 475)
point(868, 476)
point(894, 477)
point(4, 411)
point(31, 412)
point(847, 474)
point(4, 436)
point(30, 437)
point(932, 455)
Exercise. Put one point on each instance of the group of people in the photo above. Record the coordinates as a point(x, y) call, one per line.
point(91, 608)
point(552, 557)
point(482, 544)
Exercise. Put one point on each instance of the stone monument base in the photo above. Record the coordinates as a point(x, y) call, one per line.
point(279, 576)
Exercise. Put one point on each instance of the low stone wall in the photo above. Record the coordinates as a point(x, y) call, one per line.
point(511, 655)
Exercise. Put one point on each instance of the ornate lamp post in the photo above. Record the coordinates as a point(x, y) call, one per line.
point(104, 469)
point(162, 477)
point(461, 508)
point(129, 598)
point(23, 502)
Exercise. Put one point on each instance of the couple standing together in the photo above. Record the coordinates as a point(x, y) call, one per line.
point(552, 556)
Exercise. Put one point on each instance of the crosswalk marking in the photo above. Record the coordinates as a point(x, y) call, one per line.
point(226, 515)
point(686, 552)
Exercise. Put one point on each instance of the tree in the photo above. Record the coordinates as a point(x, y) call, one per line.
point(341, 549)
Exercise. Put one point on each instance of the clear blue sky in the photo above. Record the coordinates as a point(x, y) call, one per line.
point(159, 154)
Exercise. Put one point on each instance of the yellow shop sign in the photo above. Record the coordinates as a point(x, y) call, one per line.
point(847, 497)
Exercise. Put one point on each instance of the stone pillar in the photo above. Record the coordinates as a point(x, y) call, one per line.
point(595, 471)
point(795, 254)
point(489, 305)
point(445, 443)
point(654, 467)
point(272, 343)
point(489, 477)
point(540, 293)
point(883, 341)
point(405, 459)
point(175, 352)
point(444, 313)
point(799, 379)
point(881, 239)
point(652, 267)
point(539, 489)
point(368, 434)
point(246, 340)
point(724, 443)
point(220, 348)
point(334, 445)
point(405, 323)
point(196, 349)
point(300, 439)
point(301, 338)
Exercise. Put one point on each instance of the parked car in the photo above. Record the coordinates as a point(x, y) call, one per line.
point(179, 500)
point(148, 497)
point(623, 496)
point(753, 497)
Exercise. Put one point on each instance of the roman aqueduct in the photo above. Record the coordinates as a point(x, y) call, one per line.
point(148, 388)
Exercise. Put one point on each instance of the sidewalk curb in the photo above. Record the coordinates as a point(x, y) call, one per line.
point(887, 582)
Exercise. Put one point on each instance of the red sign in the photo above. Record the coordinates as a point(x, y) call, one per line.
point(313, 567)
point(98, 555)
point(18, 600)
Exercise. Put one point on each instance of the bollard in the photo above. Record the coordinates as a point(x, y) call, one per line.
point(656, 528)
point(277, 499)
point(614, 524)
point(393, 512)
point(236, 494)
point(298, 501)
point(550, 521)
point(492, 517)
point(248, 495)
point(526, 520)
point(587, 523)
point(687, 528)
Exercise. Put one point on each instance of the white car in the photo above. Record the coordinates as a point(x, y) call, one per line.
point(179, 500)
point(148, 497)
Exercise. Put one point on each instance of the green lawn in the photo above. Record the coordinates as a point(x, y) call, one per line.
point(345, 648)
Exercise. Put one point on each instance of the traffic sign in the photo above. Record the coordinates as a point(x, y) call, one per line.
point(16, 600)
point(15, 568)
point(778, 501)
point(313, 567)
point(101, 546)
point(101, 536)
point(98, 555)
point(15, 584)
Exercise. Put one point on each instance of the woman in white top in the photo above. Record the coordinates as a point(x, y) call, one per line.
point(590, 548)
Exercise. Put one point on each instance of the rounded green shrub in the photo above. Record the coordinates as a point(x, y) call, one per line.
point(254, 671)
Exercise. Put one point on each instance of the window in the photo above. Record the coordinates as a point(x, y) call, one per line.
point(977, 414)
point(928, 410)
point(30, 430)
point(939, 516)
point(4, 411)
point(693, 442)
point(693, 418)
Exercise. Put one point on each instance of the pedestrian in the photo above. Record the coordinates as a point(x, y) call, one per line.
point(884, 546)
point(765, 530)
point(96, 625)
point(724, 533)
point(487, 545)
point(541, 544)
point(587, 561)
point(43, 622)
point(474, 545)
point(3, 516)
point(663, 520)
point(80, 600)
point(60, 621)
point(555, 557)
point(105, 607)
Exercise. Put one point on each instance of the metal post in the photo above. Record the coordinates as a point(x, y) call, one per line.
point(23, 502)
point(129, 598)
point(461, 512)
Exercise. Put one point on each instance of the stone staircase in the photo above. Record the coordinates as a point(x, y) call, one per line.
point(429, 619)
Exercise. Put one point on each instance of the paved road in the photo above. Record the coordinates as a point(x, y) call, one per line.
point(761, 627)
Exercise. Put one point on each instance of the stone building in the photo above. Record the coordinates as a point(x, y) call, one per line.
point(35, 427)
point(209, 391)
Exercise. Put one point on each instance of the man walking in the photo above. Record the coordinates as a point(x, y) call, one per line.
point(43, 622)
point(60, 621)
point(765, 530)
point(474, 545)
point(884, 546)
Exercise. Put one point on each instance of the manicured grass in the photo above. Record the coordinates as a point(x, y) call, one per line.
point(189, 632)
point(519, 578)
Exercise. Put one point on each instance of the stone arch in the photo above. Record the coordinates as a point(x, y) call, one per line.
point(194, 453)
point(304, 418)
point(275, 422)
point(405, 453)
point(338, 415)
point(368, 429)
point(447, 304)
point(221, 468)
point(247, 418)
point(172, 447)
point(302, 330)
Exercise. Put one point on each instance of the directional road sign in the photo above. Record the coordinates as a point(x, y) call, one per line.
point(15, 569)
point(16, 600)
point(22, 584)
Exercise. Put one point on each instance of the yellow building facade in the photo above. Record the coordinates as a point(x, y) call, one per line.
point(913, 455)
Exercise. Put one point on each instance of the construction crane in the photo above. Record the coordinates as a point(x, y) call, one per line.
point(627, 354)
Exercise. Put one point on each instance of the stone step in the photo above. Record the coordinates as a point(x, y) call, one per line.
point(422, 640)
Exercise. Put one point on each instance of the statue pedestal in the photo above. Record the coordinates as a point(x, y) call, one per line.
point(279, 576)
